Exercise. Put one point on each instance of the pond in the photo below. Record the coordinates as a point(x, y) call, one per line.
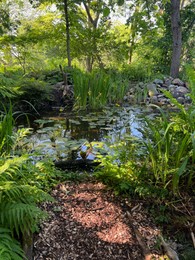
point(63, 136)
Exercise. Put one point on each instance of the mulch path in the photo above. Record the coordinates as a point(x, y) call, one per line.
point(88, 221)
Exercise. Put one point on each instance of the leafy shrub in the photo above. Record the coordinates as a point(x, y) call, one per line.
point(136, 72)
point(36, 92)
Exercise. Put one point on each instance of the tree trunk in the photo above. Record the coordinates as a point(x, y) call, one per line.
point(67, 32)
point(94, 23)
point(177, 38)
point(89, 63)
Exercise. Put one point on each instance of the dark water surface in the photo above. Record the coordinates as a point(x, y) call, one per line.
point(59, 134)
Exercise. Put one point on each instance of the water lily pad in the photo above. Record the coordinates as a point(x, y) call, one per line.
point(75, 122)
point(43, 121)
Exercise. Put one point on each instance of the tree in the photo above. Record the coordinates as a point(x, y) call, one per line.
point(4, 19)
point(176, 38)
point(67, 32)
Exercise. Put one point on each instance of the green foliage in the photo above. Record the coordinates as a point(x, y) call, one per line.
point(18, 200)
point(6, 130)
point(137, 72)
point(36, 93)
point(169, 148)
point(97, 89)
point(119, 168)
point(9, 248)
point(21, 189)
point(190, 71)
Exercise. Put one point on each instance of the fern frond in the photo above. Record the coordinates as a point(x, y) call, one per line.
point(7, 92)
point(9, 248)
point(10, 191)
point(20, 217)
point(11, 166)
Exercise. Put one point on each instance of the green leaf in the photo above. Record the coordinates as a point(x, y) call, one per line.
point(120, 2)
point(106, 11)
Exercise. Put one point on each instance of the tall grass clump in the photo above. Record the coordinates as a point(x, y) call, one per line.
point(81, 88)
point(91, 89)
point(170, 143)
point(99, 84)
point(96, 89)
point(169, 149)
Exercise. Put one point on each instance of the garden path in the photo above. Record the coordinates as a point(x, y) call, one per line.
point(88, 221)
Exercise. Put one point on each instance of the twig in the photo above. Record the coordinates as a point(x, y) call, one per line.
point(191, 232)
point(142, 244)
point(168, 250)
point(193, 238)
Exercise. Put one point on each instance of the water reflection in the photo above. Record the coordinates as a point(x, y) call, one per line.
point(95, 126)
point(60, 135)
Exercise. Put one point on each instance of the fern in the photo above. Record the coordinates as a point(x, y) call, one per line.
point(7, 92)
point(11, 166)
point(9, 248)
point(19, 192)
point(6, 131)
point(20, 217)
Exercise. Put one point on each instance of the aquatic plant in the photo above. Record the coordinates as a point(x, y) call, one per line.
point(97, 89)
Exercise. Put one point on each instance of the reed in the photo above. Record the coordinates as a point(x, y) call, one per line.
point(81, 89)
point(97, 89)
point(99, 84)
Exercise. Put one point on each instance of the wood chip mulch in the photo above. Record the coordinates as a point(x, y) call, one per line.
point(88, 221)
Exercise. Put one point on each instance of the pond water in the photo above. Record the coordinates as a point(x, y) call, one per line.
point(63, 136)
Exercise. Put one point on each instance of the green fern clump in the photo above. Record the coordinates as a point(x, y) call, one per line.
point(20, 192)
point(18, 209)
point(9, 248)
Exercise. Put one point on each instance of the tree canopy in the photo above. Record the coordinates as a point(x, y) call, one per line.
point(97, 33)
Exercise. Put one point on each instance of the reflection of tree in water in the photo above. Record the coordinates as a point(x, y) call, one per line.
point(83, 130)
point(114, 125)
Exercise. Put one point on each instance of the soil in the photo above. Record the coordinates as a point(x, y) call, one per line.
point(87, 221)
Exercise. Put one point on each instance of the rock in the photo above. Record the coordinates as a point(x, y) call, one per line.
point(125, 98)
point(171, 87)
point(182, 90)
point(141, 84)
point(188, 99)
point(160, 96)
point(154, 99)
point(178, 82)
point(163, 101)
point(152, 90)
point(176, 94)
point(181, 100)
point(59, 84)
point(131, 99)
point(158, 82)
point(167, 81)
point(76, 164)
